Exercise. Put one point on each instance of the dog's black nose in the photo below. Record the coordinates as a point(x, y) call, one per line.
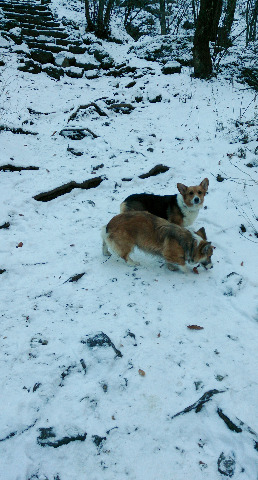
point(196, 200)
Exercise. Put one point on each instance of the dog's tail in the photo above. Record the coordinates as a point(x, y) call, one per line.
point(104, 235)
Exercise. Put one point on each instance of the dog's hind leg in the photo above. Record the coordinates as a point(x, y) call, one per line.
point(105, 250)
point(131, 262)
point(123, 249)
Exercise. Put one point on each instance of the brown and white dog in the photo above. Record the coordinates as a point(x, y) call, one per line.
point(157, 236)
point(181, 209)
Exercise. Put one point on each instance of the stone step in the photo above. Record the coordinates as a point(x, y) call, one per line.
point(34, 20)
point(77, 49)
point(31, 16)
point(47, 47)
point(24, 7)
point(48, 33)
point(36, 24)
point(34, 42)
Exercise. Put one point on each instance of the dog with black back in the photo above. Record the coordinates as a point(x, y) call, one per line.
point(152, 234)
point(181, 208)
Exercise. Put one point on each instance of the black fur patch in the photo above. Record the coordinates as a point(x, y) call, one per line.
point(160, 205)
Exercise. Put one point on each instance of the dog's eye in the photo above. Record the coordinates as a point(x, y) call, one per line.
point(191, 193)
point(200, 192)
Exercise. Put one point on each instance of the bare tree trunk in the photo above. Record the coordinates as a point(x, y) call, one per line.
point(224, 32)
point(251, 21)
point(108, 13)
point(194, 11)
point(162, 16)
point(100, 19)
point(206, 30)
point(98, 13)
point(90, 26)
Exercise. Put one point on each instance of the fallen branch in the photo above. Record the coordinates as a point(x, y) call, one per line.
point(67, 188)
point(46, 433)
point(5, 225)
point(152, 173)
point(75, 278)
point(13, 168)
point(197, 406)
point(238, 426)
point(228, 422)
point(155, 171)
point(77, 133)
point(84, 107)
point(101, 340)
point(34, 112)
point(16, 130)
point(121, 107)
point(13, 434)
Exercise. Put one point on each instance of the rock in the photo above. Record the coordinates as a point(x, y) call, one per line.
point(227, 464)
point(171, 67)
point(86, 61)
point(31, 67)
point(121, 71)
point(65, 59)
point(105, 60)
point(77, 49)
point(74, 72)
point(53, 72)
point(42, 56)
point(156, 99)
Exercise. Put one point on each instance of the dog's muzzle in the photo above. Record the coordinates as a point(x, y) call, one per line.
point(196, 200)
point(207, 265)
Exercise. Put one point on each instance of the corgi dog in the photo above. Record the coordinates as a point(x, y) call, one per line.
point(157, 236)
point(181, 208)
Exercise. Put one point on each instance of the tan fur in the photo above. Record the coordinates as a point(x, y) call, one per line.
point(189, 193)
point(157, 236)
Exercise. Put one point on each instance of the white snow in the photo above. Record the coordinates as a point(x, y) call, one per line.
point(145, 311)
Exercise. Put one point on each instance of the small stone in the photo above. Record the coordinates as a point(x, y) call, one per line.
point(227, 464)
point(171, 67)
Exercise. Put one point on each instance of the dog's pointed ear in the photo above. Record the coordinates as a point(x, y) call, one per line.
point(204, 184)
point(206, 248)
point(201, 232)
point(182, 188)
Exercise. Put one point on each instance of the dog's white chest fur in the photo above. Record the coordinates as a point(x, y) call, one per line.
point(190, 213)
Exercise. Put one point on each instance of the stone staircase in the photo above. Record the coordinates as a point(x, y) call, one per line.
point(53, 47)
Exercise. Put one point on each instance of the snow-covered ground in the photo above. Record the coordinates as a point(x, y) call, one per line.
point(56, 386)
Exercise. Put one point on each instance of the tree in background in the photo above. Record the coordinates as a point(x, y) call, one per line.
point(206, 31)
point(98, 13)
point(224, 32)
point(251, 20)
point(162, 17)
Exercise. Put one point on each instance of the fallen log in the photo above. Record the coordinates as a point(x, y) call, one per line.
point(84, 107)
point(13, 168)
point(16, 130)
point(152, 173)
point(67, 188)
